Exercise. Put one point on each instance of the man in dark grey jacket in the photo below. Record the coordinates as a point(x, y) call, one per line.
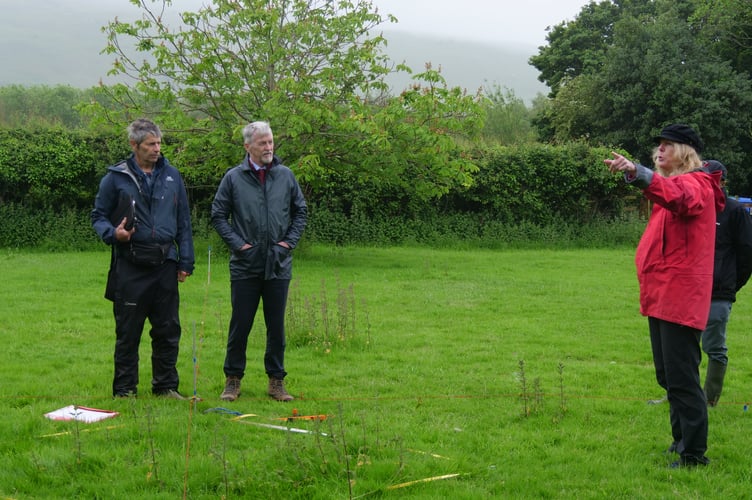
point(732, 269)
point(260, 212)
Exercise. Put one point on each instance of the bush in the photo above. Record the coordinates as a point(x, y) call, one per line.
point(70, 229)
point(46, 228)
point(525, 194)
point(54, 168)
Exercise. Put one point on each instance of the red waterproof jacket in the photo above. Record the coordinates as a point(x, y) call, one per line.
point(675, 255)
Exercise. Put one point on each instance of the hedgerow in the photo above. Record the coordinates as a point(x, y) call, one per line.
point(532, 192)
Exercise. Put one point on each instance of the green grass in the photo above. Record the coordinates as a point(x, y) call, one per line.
point(420, 364)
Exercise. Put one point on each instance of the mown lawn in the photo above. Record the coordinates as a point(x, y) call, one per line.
point(443, 373)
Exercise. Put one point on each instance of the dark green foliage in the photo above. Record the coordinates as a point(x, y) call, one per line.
point(622, 70)
point(536, 183)
point(54, 168)
point(576, 47)
point(726, 26)
point(521, 195)
point(45, 228)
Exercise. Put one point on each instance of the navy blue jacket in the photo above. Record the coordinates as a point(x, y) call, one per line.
point(162, 211)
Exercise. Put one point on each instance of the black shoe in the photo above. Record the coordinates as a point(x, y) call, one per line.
point(689, 461)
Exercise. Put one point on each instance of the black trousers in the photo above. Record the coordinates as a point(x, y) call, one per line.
point(677, 356)
point(246, 294)
point(143, 293)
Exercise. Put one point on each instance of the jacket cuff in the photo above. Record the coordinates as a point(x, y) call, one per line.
point(641, 178)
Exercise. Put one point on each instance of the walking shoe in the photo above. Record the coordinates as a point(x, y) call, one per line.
point(170, 394)
point(277, 390)
point(232, 389)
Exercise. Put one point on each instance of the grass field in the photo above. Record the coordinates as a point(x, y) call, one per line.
point(458, 374)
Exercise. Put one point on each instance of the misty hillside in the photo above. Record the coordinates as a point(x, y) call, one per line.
point(62, 45)
point(471, 65)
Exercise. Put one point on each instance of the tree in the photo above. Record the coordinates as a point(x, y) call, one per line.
point(508, 120)
point(659, 72)
point(41, 106)
point(655, 69)
point(312, 68)
point(726, 25)
point(576, 47)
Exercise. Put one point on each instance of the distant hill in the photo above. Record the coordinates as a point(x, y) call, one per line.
point(466, 64)
point(61, 44)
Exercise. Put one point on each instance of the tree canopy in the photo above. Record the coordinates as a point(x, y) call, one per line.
point(313, 68)
point(623, 69)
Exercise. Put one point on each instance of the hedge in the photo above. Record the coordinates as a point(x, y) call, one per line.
point(46, 175)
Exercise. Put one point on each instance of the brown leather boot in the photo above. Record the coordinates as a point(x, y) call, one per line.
point(277, 390)
point(232, 389)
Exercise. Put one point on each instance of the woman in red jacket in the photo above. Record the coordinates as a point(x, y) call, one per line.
point(675, 271)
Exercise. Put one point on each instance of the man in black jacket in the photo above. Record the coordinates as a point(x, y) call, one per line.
point(260, 213)
point(733, 266)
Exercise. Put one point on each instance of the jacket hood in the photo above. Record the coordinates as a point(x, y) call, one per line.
point(718, 192)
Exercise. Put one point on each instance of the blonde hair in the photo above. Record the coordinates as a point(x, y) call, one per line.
point(689, 159)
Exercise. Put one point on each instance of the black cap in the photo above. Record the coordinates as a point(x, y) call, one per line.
point(683, 134)
point(711, 166)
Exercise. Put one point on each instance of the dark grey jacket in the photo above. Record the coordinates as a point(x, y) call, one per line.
point(245, 211)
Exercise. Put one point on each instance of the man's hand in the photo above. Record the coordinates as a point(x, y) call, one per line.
point(182, 275)
point(122, 234)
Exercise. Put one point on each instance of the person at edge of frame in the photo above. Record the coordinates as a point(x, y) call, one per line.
point(674, 261)
point(141, 210)
point(731, 271)
point(260, 213)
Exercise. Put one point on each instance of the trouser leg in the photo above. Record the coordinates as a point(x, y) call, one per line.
point(275, 303)
point(245, 296)
point(128, 328)
point(714, 335)
point(680, 350)
point(660, 373)
point(714, 345)
point(130, 311)
point(165, 331)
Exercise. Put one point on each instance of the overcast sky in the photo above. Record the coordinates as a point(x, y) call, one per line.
point(503, 21)
point(494, 21)
point(41, 36)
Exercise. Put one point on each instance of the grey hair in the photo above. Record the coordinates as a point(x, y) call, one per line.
point(140, 129)
point(255, 128)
